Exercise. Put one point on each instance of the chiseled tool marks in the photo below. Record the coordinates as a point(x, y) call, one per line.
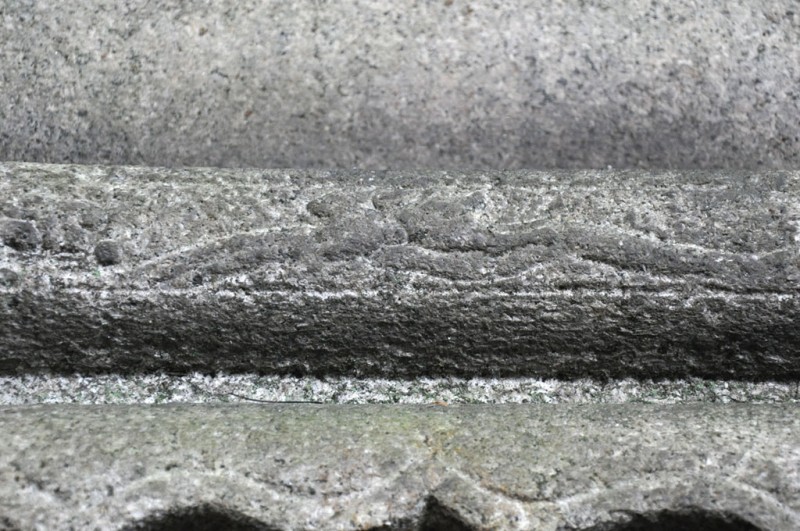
point(181, 227)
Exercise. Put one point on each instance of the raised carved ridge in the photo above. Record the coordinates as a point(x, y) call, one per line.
point(605, 274)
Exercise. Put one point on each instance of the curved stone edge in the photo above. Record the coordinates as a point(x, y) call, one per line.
point(399, 467)
point(606, 274)
point(520, 83)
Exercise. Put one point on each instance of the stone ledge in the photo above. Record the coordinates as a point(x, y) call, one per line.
point(198, 388)
point(567, 467)
point(550, 274)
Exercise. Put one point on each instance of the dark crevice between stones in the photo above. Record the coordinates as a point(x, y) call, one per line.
point(200, 518)
point(438, 517)
point(435, 517)
point(688, 520)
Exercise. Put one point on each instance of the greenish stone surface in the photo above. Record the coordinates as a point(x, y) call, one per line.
point(567, 467)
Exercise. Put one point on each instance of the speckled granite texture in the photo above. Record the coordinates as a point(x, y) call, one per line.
point(197, 388)
point(385, 84)
point(566, 468)
point(400, 274)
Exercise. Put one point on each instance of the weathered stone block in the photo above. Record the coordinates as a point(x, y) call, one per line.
point(564, 274)
point(548, 468)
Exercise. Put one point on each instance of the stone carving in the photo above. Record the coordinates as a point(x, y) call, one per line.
point(585, 467)
point(156, 272)
point(565, 274)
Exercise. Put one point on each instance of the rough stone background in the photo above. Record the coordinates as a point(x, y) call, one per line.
point(411, 84)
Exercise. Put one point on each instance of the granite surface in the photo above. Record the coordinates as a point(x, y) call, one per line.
point(382, 84)
point(280, 467)
point(605, 274)
point(199, 388)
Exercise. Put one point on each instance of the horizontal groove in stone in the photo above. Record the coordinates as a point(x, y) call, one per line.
point(548, 274)
point(568, 467)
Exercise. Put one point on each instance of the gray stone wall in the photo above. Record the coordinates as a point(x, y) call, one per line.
point(384, 84)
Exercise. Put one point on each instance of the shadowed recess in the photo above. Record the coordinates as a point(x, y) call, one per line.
point(7, 525)
point(200, 518)
point(690, 520)
point(438, 517)
point(435, 517)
